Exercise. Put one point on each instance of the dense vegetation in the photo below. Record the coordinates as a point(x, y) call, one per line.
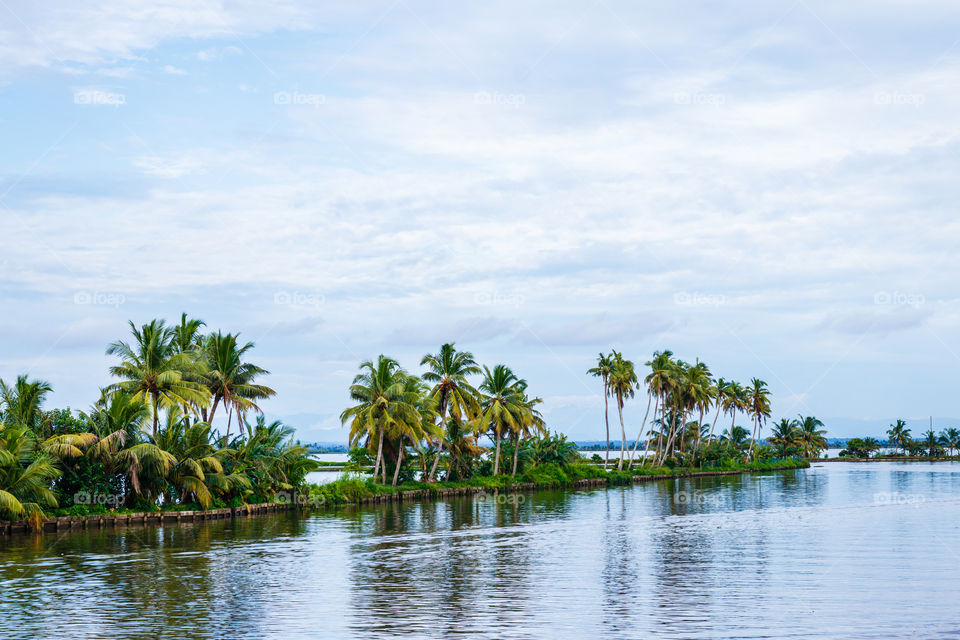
point(147, 441)
point(682, 395)
point(930, 444)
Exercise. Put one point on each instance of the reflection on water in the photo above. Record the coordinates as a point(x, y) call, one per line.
point(840, 550)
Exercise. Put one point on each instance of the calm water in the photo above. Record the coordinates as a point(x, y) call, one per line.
point(840, 550)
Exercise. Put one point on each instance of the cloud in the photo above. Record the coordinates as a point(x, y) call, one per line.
point(174, 71)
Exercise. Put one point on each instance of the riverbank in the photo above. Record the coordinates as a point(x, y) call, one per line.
point(360, 491)
point(893, 459)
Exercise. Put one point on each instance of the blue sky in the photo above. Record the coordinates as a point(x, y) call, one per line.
point(770, 187)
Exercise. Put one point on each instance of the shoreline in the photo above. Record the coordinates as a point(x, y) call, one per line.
point(116, 520)
point(892, 459)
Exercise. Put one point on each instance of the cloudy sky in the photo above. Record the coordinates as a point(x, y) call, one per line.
point(770, 187)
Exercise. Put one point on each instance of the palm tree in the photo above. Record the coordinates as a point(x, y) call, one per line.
point(811, 437)
point(759, 407)
point(602, 370)
point(502, 406)
point(186, 335)
point(463, 450)
point(230, 380)
point(152, 370)
point(26, 473)
point(623, 382)
point(382, 403)
point(736, 437)
point(448, 371)
point(659, 383)
point(784, 435)
point(931, 440)
point(531, 420)
point(21, 402)
point(899, 435)
point(950, 439)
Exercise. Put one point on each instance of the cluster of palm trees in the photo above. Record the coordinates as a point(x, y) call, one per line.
point(931, 443)
point(682, 394)
point(149, 439)
point(440, 413)
point(803, 435)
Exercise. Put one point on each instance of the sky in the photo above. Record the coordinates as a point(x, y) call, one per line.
point(769, 187)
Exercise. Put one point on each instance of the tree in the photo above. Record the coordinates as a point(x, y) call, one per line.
point(899, 435)
point(950, 439)
point(382, 402)
point(759, 406)
point(810, 436)
point(21, 402)
point(784, 436)
point(623, 382)
point(659, 382)
point(602, 370)
point(151, 369)
point(448, 370)
point(502, 406)
point(231, 380)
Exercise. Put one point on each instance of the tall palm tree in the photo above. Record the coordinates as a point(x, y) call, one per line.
point(659, 383)
point(231, 380)
point(531, 421)
point(152, 370)
point(602, 370)
point(899, 435)
point(811, 437)
point(448, 370)
point(382, 403)
point(932, 441)
point(502, 406)
point(623, 383)
point(186, 335)
point(759, 407)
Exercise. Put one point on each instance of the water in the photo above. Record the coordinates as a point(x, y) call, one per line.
point(847, 550)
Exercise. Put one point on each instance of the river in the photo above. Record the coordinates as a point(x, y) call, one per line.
point(861, 550)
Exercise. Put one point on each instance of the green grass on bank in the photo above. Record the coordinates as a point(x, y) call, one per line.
point(353, 490)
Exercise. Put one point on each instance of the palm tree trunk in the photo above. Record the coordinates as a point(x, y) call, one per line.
point(496, 460)
point(623, 432)
point(516, 452)
point(156, 413)
point(436, 461)
point(636, 443)
point(606, 420)
point(376, 465)
point(213, 409)
point(229, 418)
point(396, 472)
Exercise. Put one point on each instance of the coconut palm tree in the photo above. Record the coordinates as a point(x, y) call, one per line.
point(602, 370)
point(931, 441)
point(531, 422)
point(22, 401)
point(623, 383)
point(152, 370)
point(811, 437)
point(660, 382)
point(759, 406)
point(448, 370)
point(502, 406)
point(382, 403)
point(230, 380)
point(26, 473)
point(187, 336)
point(950, 439)
point(784, 435)
point(899, 435)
